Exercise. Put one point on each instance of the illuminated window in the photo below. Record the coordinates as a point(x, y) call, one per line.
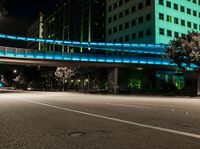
point(169, 18)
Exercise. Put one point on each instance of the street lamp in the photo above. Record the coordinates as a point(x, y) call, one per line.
point(14, 71)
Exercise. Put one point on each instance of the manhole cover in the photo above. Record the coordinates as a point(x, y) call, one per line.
point(77, 134)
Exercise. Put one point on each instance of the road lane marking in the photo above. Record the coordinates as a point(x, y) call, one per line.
point(117, 120)
point(129, 106)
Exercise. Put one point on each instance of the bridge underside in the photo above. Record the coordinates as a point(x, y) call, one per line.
point(53, 63)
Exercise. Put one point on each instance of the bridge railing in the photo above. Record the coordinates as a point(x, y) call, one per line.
point(81, 57)
point(105, 46)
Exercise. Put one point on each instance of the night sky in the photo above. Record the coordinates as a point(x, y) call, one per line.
point(21, 13)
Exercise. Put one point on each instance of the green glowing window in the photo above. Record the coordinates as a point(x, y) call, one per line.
point(189, 24)
point(182, 9)
point(176, 20)
point(162, 31)
point(169, 33)
point(183, 22)
point(176, 35)
point(169, 18)
point(168, 4)
point(161, 16)
point(175, 6)
point(161, 2)
point(188, 11)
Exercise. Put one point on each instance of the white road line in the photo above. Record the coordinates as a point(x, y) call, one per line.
point(118, 120)
point(129, 106)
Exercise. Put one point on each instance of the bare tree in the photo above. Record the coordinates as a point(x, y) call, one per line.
point(64, 73)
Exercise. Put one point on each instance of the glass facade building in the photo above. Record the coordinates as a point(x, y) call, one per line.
point(77, 20)
point(151, 21)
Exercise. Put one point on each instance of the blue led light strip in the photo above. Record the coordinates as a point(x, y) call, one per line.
point(114, 47)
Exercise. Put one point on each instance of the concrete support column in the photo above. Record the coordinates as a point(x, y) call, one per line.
point(113, 80)
point(198, 84)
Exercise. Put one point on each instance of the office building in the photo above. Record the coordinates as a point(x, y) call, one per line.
point(77, 20)
point(151, 21)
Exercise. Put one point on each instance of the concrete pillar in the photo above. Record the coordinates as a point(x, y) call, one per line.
point(198, 84)
point(113, 80)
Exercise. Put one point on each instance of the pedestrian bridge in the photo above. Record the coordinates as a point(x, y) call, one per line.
point(138, 54)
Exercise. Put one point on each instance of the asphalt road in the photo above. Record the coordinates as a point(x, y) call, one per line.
point(46, 120)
